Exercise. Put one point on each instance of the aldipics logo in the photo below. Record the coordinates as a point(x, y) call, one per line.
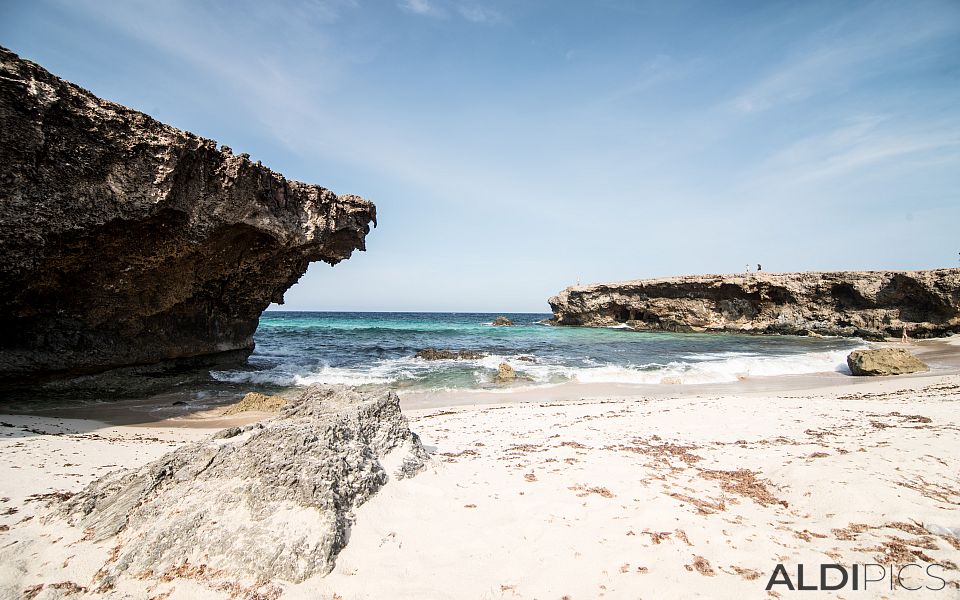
point(860, 577)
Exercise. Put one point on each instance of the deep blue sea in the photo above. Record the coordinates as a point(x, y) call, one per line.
point(301, 348)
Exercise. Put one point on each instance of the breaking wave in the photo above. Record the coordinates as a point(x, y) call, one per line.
point(719, 367)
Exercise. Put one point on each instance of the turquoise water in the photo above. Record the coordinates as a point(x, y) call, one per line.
point(301, 348)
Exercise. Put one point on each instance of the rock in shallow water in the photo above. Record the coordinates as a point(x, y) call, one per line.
point(505, 373)
point(271, 500)
point(124, 241)
point(435, 354)
point(884, 361)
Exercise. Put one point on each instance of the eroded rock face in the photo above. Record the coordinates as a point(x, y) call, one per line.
point(884, 361)
point(256, 401)
point(124, 241)
point(271, 500)
point(869, 304)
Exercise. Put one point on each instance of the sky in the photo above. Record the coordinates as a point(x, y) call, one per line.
point(514, 148)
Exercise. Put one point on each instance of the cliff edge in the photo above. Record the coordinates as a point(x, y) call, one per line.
point(869, 304)
point(124, 241)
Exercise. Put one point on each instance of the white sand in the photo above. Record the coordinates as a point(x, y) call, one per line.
point(605, 498)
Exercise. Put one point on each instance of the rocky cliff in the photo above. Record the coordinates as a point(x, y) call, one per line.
point(870, 304)
point(124, 241)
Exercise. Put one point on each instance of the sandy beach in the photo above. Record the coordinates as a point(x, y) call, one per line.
point(560, 493)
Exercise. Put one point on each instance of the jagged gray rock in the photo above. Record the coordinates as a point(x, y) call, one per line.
point(884, 361)
point(868, 304)
point(271, 500)
point(124, 241)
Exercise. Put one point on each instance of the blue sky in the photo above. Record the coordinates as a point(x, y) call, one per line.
point(514, 148)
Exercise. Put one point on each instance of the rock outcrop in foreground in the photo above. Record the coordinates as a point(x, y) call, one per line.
point(256, 401)
point(884, 361)
point(869, 304)
point(124, 241)
point(271, 500)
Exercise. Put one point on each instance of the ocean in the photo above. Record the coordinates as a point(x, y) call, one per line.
point(357, 348)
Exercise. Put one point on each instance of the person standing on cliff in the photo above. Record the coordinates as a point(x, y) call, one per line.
point(905, 339)
point(759, 268)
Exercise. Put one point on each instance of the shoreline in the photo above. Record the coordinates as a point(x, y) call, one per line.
point(942, 354)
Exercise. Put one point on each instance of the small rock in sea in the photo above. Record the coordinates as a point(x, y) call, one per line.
point(435, 354)
point(505, 373)
point(526, 358)
point(884, 361)
point(502, 321)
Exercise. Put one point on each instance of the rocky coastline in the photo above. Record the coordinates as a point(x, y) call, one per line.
point(873, 305)
point(124, 241)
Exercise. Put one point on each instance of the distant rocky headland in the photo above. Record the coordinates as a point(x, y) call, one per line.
point(124, 241)
point(868, 304)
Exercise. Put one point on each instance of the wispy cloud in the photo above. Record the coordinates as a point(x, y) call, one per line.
point(842, 54)
point(424, 8)
point(323, 11)
point(658, 70)
point(480, 14)
point(442, 9)
point(854, 146)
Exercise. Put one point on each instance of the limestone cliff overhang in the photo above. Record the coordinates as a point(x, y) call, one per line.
point(124, 241)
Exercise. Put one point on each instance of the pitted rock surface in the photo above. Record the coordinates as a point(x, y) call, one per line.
point(124, 241)
point(270, 500)
point(869, 304)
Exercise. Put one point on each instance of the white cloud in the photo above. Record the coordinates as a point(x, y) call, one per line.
point(856, 145)
point(422, 7)
point(441, 9)
point(840, 55)
point(658, 70)
point(480, 14)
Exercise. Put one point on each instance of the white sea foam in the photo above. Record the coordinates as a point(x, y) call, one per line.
point(293, 375)
point(716, 367)
point(725, 367)
point(732, 368)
